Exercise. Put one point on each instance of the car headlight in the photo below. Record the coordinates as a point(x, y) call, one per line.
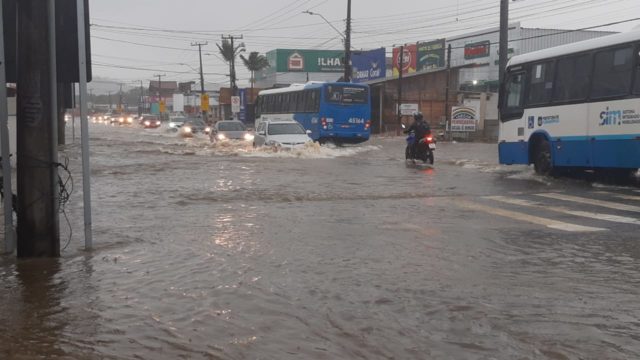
point(158, 123)
point(147, 123)
point(129, 120)
point(207, 129)
point(186, 129)
point(121, 120)
point(221, 137)
point(248, 137)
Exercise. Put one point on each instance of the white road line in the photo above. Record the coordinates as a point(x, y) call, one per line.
point(581, 200)
point(620, 196)
point(586, 214)
point(553, 224)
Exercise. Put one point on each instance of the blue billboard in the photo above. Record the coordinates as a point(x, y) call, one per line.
point(369, 65)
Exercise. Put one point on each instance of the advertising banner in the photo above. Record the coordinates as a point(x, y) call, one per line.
point(464, 119)
point(409, 60)
point(431, 55)
point(309, 60)
point(408, 109)
point(368, 65)
point(477, 50)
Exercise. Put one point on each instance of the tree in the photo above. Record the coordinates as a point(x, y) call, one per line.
point(229, 53)
point(255, 62)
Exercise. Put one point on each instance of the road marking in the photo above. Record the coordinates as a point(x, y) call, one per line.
point(553, 224)
point(620, 196)
point(581, 200)
point(560, 209)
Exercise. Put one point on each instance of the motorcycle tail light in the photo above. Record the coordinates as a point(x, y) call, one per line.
point(429, 139)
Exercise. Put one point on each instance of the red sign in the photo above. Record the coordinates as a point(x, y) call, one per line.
point(409, 61)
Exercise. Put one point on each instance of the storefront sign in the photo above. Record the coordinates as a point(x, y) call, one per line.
point(285, 60)
point(464, 119)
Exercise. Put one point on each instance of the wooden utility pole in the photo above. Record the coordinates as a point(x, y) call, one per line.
point(38, 225)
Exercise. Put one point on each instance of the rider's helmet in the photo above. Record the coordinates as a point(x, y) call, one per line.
point(417, 116)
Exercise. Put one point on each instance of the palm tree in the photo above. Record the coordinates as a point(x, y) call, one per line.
point(255, 62)
point(229, 53)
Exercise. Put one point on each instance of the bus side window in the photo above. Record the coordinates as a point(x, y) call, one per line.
point(572, 81)
point(541, 84)
point(257, 110)
point(636, 87)
point(612, 73)
point(302, 100)
point(316, 100)
point(512, 108)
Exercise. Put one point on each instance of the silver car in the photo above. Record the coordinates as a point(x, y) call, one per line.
point(230, 130)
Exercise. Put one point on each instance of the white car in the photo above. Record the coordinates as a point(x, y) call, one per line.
point(281, 134)
point(175, 123)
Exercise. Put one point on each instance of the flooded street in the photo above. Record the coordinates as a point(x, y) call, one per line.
point(225, 252)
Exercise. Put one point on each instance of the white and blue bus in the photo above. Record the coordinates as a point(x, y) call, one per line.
point(574, 107)
point(336, 112)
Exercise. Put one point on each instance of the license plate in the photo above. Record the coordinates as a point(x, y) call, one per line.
point(345, 126)
point(432, 146)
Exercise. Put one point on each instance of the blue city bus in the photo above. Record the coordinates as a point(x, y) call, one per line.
point(336, 112)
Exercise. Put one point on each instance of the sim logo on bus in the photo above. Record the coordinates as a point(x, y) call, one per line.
point(610, 117)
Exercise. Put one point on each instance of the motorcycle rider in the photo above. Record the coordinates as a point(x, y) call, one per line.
point(420, 128)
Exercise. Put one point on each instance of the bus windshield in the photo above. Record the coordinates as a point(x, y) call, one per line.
point(345, 94)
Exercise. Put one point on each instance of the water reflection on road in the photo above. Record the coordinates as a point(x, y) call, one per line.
point(225, 252)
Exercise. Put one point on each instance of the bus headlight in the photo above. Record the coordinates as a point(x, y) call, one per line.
point(249, 137)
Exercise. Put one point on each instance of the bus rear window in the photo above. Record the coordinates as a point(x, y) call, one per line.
point(345, 94)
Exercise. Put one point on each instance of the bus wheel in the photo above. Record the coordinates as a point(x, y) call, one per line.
point(542, 163)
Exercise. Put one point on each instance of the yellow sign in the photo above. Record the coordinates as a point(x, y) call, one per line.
point(163, 107)
point(204, 102)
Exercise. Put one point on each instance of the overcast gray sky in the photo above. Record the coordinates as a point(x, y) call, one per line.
point(128, 45)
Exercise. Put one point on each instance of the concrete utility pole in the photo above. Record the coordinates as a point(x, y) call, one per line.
point(141, 102)
point(400, 71)
point(38, 225)
point(504, 40)
point(120, 99)
point(447, 114)
point(347, 46)
point(160, 99)
point(232, 64)
point(199, 45)
point(63, 88)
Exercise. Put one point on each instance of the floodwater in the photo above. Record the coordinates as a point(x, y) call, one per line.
point(223, 252)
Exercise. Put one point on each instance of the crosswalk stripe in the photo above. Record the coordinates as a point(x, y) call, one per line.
point(620, 196)
point(553, 224)
point(586, 214)
point(581, 200)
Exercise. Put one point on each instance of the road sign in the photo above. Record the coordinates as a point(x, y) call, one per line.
point(204, 102)
point(163, 107)
point(235, 104)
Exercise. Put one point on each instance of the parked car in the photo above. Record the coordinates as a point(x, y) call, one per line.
point(230, 130)
point(148, 121)
point(281, 134)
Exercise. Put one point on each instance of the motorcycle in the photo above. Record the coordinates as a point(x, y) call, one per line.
point(423, 150)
